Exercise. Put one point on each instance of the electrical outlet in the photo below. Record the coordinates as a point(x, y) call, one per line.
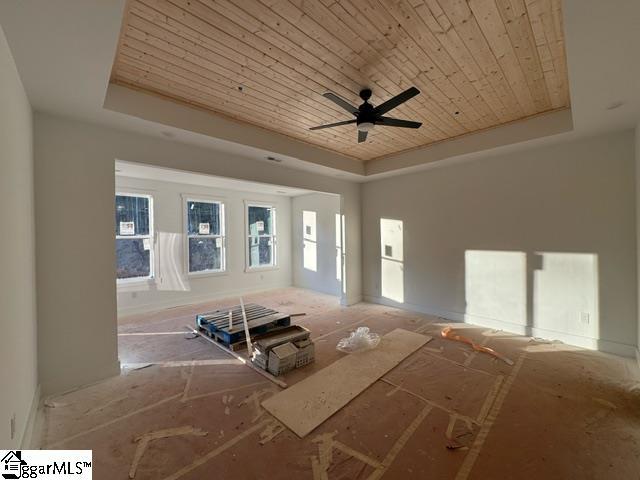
point(584, 318)
point(13, 426)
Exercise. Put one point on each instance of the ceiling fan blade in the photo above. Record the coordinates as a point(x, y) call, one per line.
point(395, 101)
point(330, 125)
point(362, 136)
point(341, 102)
point(395, 122)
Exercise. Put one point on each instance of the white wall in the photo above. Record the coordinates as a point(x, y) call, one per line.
point(18, 340)
point(75, 181)
point(315, 262)
point(172, 286)
point(539, 242)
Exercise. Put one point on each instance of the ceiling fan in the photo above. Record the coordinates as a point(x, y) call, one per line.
point(368, 116)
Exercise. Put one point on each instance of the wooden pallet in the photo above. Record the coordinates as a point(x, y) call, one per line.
point(260, 320)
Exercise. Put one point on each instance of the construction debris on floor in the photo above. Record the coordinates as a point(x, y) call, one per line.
point(444, 410)
point(272, 343)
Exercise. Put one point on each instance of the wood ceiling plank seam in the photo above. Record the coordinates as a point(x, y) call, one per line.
point(282, 83)
point(428, 66)
point(311, 11)
point(546, 60)
point(234, 76)
point(161, 4)
point(407, 25)
point(427, 74)
point(442, 120)
point(395, 65)
point(272, 18)
point(318, 13)
point(404, 64)
point(209, 16)
point(505, 107)
point(519, 31)
point(490, 23)
point(219, 77)
point(217, 22)
point(412, 25)
point(187, 85)
point(421, 63)
point(452, 54)
point(181, 64)
point(462, 17)
point(457, 13)
point(443, 106)
point(556, 25)
point(198, 79)
point(544, 17)
point(260, 118)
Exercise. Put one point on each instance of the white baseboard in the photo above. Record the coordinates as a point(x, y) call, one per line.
point(191, 299)
point(27, 439)
point(589, 343)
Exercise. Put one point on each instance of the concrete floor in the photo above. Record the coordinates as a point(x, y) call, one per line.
point(560, 412)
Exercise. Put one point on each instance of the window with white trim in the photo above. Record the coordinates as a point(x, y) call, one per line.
point(205, 236)
point(134, 237)
point(261, 231)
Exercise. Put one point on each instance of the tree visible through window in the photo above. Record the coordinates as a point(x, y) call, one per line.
point(262, 236)
point(134, 241)
point(205, 236)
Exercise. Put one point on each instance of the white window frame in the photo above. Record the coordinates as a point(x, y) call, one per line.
point(186, 198)
point(273, 235)
point(151, 236)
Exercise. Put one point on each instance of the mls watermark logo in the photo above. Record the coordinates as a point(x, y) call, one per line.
point(46, 464)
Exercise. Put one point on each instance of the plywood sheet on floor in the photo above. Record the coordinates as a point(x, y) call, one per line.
point(310, 402)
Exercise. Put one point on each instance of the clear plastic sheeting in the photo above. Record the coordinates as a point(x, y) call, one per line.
point(358, 341)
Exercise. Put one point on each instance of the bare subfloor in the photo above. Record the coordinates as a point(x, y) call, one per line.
point(559, 413)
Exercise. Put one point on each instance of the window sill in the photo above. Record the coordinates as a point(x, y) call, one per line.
point(124, 285)
point(207, 274)
point(261, 269)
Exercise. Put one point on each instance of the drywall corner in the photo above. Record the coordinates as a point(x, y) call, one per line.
point(18, 319)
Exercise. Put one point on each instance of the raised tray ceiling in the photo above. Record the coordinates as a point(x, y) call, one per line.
point(478, 63)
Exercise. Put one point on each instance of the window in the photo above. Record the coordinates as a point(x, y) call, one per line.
point(134, 236)
point(205, 236)
point(261, 231)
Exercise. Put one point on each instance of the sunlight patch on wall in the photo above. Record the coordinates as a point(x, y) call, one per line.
point(565, 293)
point(338, 236)
point(496, 285)
point(310, 239)
point(392, 259)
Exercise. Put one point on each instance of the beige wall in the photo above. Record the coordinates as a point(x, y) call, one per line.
point(540, 242)
point(18, 346)
point(637, 165)
point(171, 285)
point(75, 181)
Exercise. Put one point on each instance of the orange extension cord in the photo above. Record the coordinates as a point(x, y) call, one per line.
point(447, 332)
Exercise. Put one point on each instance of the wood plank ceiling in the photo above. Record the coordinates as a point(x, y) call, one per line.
point(478, 63)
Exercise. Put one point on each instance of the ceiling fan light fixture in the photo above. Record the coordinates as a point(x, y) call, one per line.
point(366, 126)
